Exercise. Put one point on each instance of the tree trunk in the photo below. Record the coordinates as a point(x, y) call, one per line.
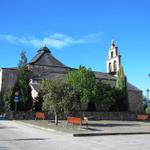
point(56, 119)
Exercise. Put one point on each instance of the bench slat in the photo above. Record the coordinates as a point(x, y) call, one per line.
point(39, 115)
point(74, 120)
point(142, 117)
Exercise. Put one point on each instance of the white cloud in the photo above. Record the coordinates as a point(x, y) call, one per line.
point(56, 40)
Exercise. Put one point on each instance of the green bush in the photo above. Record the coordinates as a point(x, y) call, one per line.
point(147, 110)
point(7, 100)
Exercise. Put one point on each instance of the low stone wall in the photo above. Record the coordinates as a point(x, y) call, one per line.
point(105, 115)
point(20, 115)
point(91, 115)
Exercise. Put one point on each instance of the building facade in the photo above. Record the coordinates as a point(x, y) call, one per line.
point(45, 66)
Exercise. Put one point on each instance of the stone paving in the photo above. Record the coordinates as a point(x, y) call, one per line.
point(102, 127)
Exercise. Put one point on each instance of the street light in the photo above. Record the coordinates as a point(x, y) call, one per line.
point(147, 94)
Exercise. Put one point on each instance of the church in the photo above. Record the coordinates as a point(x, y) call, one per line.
point(45, 66)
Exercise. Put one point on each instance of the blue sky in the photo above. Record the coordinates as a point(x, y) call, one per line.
point(79, 32)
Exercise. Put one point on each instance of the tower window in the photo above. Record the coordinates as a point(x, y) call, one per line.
point(110, 67)
point(115, 66)
point(112, 54)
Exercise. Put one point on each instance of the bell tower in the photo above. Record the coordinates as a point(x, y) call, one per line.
point(114, 59)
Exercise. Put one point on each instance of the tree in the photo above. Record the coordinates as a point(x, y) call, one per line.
point(22, 85)
point(58, 97)
point(23, 60)
point(38, 102)
point(145, 102)
point(104, 96)
point(83, 81)
point(7, 100)
point(121, 93)
point(147, 110)
point(121, 82)
point(120, 100)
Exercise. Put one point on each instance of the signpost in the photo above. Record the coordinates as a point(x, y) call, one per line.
point(16, 100)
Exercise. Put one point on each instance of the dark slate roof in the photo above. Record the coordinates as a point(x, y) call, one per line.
point(112, 80)
point(105, 76)
point(132, 87)
point(45, 58)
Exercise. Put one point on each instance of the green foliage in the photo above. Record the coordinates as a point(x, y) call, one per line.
point(7, 100)
point(121, 94)
point(22, 87)
point(38, 102)
point(83, 81)
point(104, 96)
point(23, 60)
point(121, 103)
point(147, 110)
point(58, 96)
point(121, 79)
point(145, 103)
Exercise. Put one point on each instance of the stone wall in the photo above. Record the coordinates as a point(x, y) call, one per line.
point(91, 115)
point(7, 79)
point(23, 115)
point(20, 115)
point(106, 115)
point(135, 101)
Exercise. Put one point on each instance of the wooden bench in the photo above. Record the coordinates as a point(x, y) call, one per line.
point(142, 117)
point(74, 120)
point(39, 115)
point(78, 121)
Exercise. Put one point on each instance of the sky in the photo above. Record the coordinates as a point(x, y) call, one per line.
point(79, 32)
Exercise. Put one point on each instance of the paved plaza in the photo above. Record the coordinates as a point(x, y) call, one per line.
point(15, 135)
point(102, 127)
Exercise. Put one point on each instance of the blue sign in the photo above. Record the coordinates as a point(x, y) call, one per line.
point(16, 99)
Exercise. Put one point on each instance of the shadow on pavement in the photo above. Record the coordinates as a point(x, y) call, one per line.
point(3, 148)
point(7, 127)
point(110, 125)
point(91, 129)
point(26, 139)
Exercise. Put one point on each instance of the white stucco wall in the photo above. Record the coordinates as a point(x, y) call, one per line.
point(34, 93)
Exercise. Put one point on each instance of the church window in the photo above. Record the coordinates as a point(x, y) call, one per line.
point(115, 66)
point(112, 54)
point(110, 67)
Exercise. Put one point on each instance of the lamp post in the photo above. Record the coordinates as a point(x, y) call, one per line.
point(148, 89)
point(147, 94)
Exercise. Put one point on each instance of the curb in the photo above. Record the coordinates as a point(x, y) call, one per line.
point(81, 134)
point(35, 126)
point(40, 127)
point(108, 134)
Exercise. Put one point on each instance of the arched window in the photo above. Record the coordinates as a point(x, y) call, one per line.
point(110, 67)
point(112, 54)
point(115, 66)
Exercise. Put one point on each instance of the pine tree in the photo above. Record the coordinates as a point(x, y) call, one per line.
point(22, 85)
point(23, 60)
